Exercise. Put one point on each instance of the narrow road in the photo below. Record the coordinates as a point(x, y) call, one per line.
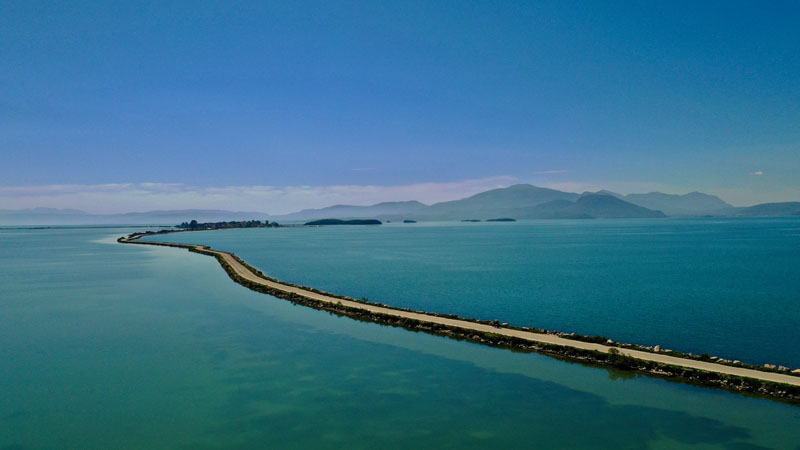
point(244, 272)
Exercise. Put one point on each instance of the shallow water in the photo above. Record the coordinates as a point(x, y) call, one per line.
point(128, 347)
point(729, 288)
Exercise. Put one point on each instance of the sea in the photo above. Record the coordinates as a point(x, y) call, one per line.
point(726, 287)
point(112, 346)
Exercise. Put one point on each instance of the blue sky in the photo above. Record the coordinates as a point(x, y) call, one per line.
point(394, 96)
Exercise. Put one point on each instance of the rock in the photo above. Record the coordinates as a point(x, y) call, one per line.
point(609, 341)
point(714, 358)
point(736, 361)
point(796, 371)
point(657, 348)
point(770, 366)
point(783, 368)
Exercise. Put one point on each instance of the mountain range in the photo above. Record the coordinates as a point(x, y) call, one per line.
point(694, 203)
point(521, 201)
point(54, 216)
point(378, 210)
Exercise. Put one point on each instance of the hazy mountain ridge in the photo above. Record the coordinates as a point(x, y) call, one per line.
point(500, 202)
point(53, 216)
point(521, 201)
point(588, 206)
point(781, 209)
point(352, 211)
point(691, 204)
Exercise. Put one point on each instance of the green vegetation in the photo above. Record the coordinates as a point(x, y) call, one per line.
point(344, 222)
point(620, 361)
point(193, 225)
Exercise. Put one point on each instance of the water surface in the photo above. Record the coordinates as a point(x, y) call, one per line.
point(728, 287)
point(128, 347)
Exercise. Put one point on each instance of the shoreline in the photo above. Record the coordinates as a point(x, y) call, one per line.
point(732, 377)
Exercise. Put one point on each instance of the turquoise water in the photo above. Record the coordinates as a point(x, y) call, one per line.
point(108, 346)
point(729, 288)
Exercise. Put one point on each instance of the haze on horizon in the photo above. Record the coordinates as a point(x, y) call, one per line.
point(121, 107)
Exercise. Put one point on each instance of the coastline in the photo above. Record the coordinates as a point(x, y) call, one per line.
point(736, 378)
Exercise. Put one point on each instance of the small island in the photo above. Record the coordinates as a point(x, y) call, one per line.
point(471, 220)
point(344, 222)
point(409, 221)
point(502, 219)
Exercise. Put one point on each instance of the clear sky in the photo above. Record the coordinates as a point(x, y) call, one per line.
point(376, 98)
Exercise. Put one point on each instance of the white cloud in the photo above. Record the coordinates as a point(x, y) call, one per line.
point(757, 173)
point(126, 197)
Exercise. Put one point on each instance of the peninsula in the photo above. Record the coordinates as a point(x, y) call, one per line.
point(729, 375)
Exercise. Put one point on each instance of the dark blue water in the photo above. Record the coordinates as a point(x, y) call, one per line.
point(729, 288)
point(109, 346)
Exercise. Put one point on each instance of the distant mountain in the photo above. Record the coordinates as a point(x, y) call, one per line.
point(588, 206)
point(501, 202)
point(44, 211)
point(385, 209)
point(770, 210)
point(556, 209)
point(606, 192)
point(52, 216)
point(610, 207)
point(521, 201)
point(181, 215)
point(692, 204)
point(43, 216)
